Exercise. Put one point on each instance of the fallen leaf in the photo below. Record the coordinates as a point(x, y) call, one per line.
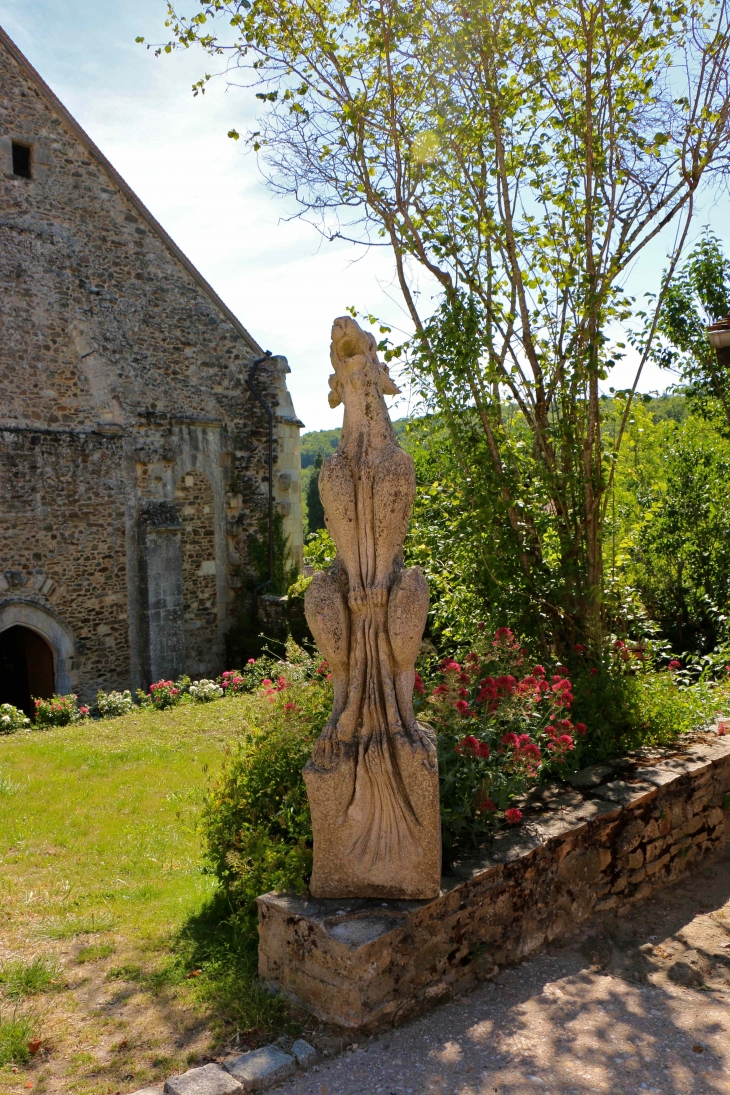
point(193, 973)
point(33, 1046)
point(698, 1049)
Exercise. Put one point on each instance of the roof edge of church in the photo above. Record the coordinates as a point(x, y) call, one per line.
point(126, 189)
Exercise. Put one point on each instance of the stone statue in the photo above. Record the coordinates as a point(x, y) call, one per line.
point(372, 781)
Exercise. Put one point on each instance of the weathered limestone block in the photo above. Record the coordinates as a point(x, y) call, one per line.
point(261, 1068)
point(207, 1080)
point(372, 781)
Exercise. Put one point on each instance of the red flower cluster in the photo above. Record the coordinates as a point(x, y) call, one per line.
point(167, 685)
point(513, 816)
point(471, 746)
point(231, 681)
point(675, 664)
point(563, 690)
point(270, 689)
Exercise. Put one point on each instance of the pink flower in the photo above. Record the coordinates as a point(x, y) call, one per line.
point(513, 816)
point(462, 706)
point(539, 671)
point(675, 664)
point(481, 626)
point(84, 710)
point(251, 661)
point(510, 739)
point(721, 729)
point(419, 686)
point(580, 728)
point(486, 805)
point(594, 671)
point(483, 750)
point(469, 744)
point(579, 648)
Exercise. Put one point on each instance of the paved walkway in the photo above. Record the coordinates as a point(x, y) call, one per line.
point(638, 1005)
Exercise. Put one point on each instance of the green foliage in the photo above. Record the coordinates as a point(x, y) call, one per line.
point(319, 550)
point(318, 443)
point(315, 509)
point(256, 818)
point(522, 156)
point(95, 952)
point(699, 294)
point(285, 571)
point(670, 519)
point(19, 979)
point(58, 711)
point(16, 1031)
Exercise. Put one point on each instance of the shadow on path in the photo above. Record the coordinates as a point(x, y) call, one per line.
point(638, 1004)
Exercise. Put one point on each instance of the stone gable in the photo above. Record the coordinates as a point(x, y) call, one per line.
point(122, 377)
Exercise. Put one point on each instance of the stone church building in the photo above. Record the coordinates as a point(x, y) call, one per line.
point(134, 455)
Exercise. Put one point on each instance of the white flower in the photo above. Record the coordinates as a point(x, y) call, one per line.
point(205, 691)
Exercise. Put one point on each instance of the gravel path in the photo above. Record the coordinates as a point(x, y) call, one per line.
point(638, 1005)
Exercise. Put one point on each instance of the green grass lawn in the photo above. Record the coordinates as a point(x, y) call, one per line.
point(102, 877)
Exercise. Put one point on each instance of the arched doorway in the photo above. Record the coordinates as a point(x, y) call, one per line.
point(26, 668)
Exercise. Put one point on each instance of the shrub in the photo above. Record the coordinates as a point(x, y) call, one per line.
point(628, 702)
point(12, 720)
point(256, 818)
point(59, 711)
point(162, 694)
point(499, 728)
point(111, 704)
point(232, 682)
point(205, 691)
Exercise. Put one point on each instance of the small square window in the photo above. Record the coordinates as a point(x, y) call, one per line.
point(21, 160)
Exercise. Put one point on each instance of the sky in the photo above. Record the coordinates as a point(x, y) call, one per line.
point(283, 281)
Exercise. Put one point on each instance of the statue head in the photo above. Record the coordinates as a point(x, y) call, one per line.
point(354, 357)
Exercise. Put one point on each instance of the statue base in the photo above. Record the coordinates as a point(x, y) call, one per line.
point(376, 821)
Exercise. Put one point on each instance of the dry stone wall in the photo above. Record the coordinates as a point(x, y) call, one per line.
point(617, 834)
point(117, 356)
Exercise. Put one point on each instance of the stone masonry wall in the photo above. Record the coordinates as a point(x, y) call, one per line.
point(621, 832)
point(196, 504)
point(109, 333)
point(62, 542)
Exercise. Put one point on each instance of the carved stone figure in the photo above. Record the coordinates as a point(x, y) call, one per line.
point(372, 781)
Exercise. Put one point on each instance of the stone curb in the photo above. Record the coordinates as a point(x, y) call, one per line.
point(256, 1070)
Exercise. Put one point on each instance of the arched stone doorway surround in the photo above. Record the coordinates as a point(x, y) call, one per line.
point(50, 628)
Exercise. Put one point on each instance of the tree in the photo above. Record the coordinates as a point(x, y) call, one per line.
point(315, 509)
point(519, 155)
point(697, 296)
